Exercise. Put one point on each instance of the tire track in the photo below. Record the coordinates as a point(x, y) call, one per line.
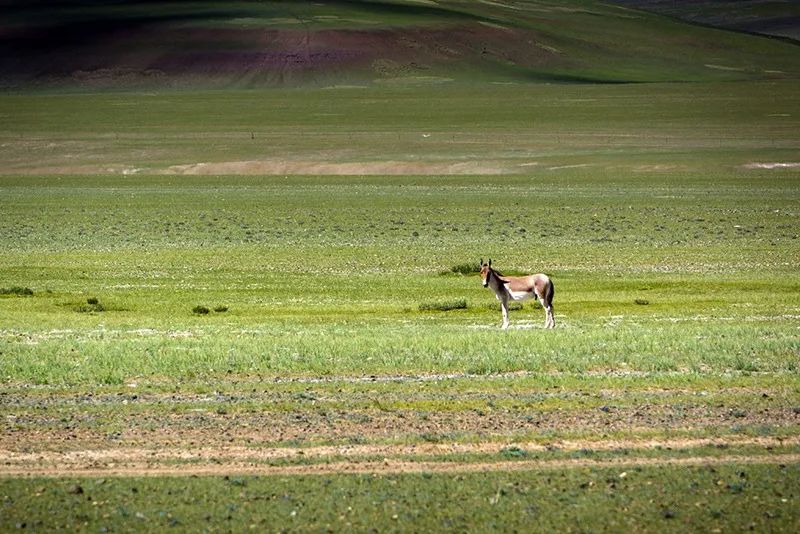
point(360, 458)
point(387, 467)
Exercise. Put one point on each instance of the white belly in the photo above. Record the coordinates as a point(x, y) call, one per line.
point(520, 295)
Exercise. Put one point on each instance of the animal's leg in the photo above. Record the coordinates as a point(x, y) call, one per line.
point(504, 308)
point(547, 304)
point(550, 320)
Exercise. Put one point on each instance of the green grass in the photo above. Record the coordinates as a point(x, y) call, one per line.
point(325, 276)
point(646, 499)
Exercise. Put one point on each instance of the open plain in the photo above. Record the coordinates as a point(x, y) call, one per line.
point(259, 309)
point(347, 334)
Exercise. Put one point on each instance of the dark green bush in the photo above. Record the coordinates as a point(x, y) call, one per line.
point(460, 304)
point(16, 290)
point(512, 305)
point(466, 268)
point(92, 306)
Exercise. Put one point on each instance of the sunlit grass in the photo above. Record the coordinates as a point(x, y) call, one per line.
point(347, 288)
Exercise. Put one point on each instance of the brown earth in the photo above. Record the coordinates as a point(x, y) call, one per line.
point(42, 436)
point(40, 431)
point(352, 425)
point(228, 461)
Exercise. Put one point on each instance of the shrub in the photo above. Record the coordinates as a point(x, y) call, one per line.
point(466, 268)
point(221, 309)
point(200, 310)
point(513, 452)
point(642, 302)
point(512, 305)
point(16, 290)
point(460, 304)
point(92, 306)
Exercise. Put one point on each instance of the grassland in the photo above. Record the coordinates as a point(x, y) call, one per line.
point(682, 130)
point(672, 244)
point(648, 498)
point(320, 275)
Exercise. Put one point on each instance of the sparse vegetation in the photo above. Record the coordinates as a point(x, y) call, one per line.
point(16, 291)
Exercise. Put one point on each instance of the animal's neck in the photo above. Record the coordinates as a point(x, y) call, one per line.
point(498, 276)
point(496, 280)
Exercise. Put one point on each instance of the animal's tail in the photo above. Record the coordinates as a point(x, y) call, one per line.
point(549, 293)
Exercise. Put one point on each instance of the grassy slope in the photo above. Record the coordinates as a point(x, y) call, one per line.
point(249, 44)
point(770, 17)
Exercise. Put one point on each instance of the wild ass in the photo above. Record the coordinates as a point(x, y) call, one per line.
point(537, 286)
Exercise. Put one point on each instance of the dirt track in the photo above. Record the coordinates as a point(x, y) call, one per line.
point(360, 458)
point(282, 167)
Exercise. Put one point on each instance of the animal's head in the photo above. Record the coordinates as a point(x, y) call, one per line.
point(485, 269)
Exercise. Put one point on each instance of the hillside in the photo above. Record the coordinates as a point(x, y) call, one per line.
point(780, 18)
point(140, 44)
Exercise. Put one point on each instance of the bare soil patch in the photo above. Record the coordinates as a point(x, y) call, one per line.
point(290, 167)
point(773, 165)
point(286, 167)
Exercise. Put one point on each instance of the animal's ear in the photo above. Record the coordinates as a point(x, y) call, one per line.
point(481, 263)
point(490, 262)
